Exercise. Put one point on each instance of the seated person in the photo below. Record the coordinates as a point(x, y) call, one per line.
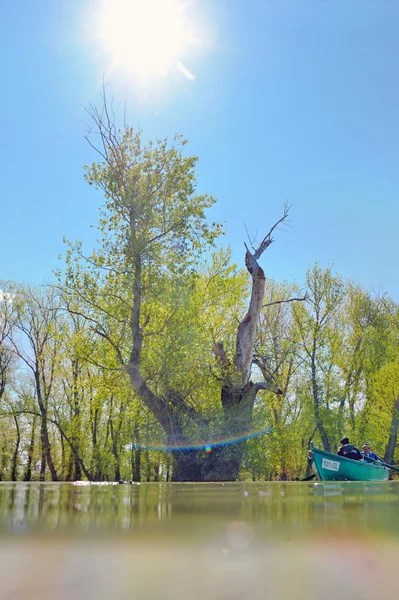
point(368, 454)
point(349, 450)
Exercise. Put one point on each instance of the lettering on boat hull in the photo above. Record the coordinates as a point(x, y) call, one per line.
point(330, 465)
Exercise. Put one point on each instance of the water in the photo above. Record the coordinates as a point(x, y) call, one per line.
point(208, 541)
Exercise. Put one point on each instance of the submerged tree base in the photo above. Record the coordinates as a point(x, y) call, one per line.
point(218, 464)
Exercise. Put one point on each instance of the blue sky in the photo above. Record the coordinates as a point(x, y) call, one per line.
point(292, 100)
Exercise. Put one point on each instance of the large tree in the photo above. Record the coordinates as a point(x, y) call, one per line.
point(137, 285)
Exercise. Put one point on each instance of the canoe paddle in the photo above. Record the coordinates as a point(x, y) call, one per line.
point(384, 464)
point(309, 477)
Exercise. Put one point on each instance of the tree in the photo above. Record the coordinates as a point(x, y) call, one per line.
point(6, 320)
point(136, 283)
point(278, 358)
point(317, 326)
point(33, 339)
point(7, 368)
point(379, 417)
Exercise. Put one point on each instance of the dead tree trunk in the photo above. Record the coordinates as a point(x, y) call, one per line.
point(238, 392)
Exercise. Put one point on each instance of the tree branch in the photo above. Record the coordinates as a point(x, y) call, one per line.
point(270, 387)
point(304, 299)
point(268, 239)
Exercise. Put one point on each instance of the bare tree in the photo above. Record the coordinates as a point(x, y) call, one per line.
point(238, 391)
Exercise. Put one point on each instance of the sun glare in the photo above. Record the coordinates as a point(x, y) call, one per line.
point(146, 37)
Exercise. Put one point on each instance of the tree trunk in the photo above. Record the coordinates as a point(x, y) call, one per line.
point(238, 393)
point(75, 438)
point(246, 332)
point(316, 404)
point(96, 468)
point(393, 437)
point(31, 449)
point(46, 448)
point(114, 450)
point(136, 458)
point(3, 461)
point(15, 455)
point(77, 469)
point(223, 464)
point(69, 474)
point(117, 468)
point(75, 458)
point(63, 459)
point(42, 476)
point(187, 466)
point(168, 469)
point(115, 438)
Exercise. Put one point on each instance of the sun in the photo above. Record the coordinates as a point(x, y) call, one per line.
point(145, 38)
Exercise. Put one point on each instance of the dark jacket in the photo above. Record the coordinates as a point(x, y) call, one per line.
point(350, 451)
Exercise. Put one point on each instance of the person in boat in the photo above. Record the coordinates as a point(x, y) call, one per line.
point(367, 454)
point(348, 450)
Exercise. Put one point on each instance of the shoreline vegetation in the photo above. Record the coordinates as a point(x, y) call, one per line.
point(153, 357)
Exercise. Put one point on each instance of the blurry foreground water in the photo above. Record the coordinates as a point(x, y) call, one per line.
point(199, 541)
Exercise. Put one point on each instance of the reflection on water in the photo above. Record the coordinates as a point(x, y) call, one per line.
point(217, 541)
point(184, 509)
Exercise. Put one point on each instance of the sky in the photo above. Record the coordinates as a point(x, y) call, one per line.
point(282, 100)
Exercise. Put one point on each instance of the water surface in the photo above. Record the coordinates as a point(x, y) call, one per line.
point(216, 541)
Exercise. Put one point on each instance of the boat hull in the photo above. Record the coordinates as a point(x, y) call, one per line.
point(332, 467)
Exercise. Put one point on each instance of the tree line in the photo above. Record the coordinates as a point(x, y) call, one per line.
point(150, 355)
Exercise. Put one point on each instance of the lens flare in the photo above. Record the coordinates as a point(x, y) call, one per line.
point(207, 447)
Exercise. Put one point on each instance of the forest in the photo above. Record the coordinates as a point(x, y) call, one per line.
point(153, 357)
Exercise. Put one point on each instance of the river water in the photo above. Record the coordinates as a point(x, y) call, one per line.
point(201, 541)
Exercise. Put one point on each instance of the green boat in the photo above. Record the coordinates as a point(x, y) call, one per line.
point(332, 467)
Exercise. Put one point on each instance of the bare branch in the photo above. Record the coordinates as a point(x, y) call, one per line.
point(267, 374)
point(270, 387)
point(268, 239)
point(304, 299)
point(251, 241)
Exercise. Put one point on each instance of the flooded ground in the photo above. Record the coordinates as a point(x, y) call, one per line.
point(208, 541)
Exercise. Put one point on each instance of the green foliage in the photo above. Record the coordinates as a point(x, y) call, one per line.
point(155, 293)
point(91, 406)
point(150, 207)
